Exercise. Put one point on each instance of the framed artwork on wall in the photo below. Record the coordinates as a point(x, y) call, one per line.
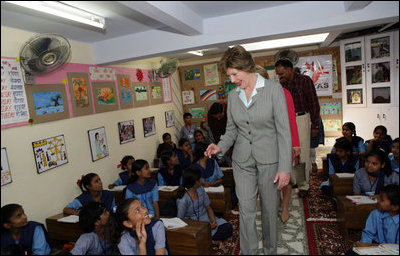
point(49, 153)
point(126, 131)
point(5, 168)
point(192, 75)
point(169, 118)
point(125, 91)
point(81, 97)
point(149, 126)
point(47, 102)
point(105, 98)
point(140, 94)
point(355, 96)
point(98, 143)
point(156, 93)
point(211, 74)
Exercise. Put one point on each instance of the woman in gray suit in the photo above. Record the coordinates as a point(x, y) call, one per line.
point(258, 128)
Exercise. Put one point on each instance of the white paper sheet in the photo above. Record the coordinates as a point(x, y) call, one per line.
point(70, 219)
point(173, 223)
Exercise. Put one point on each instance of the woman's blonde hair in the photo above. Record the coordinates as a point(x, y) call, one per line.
point(237, 57)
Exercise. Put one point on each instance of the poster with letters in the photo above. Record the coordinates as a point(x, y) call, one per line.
point(49, 153)
point(5, 168)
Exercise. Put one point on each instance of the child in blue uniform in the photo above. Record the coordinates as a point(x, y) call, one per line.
point(124, 177)
point(143, 187)
point(193, 203)
point(342, 161)
point(376, 174)
point(382, 225)
point(93, 218)
point(92, 190)
point(184, 153)
point(171, 172)
point(381, 140)
point(394, 155)
point(16, 229)
point(134, 232)
point(349, 132)
point(210, 171)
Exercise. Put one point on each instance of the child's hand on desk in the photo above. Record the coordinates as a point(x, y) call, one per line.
point(111, 186)
point(213, 224)
point(374, 197)
point(207, 184)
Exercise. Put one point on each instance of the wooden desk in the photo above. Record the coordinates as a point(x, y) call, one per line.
point(325, 166)
point(228, 180)
point(341, 186)
point(194, 239)
point(352, 216)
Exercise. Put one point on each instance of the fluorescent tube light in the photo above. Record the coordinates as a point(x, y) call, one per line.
point(64, 11)
point(284, 42)
point(198, 53)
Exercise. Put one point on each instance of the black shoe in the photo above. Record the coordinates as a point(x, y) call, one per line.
point(303, 193)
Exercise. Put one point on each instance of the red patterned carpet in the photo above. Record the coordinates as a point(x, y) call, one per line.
point(231, 245)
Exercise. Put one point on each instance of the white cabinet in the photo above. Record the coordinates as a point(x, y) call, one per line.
point(370, 82)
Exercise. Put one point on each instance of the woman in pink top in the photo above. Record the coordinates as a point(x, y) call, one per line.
point(287, 190)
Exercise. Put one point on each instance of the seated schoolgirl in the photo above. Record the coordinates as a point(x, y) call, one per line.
point(382, 225)
point(171, 172)
point(144, 187)
point(210, 171)
point(342, 161)
point(349, 132)
point(134, 232)
point(16, 229)
point(184, 153)
point(126, 165)
point(377, 173)
point(93, 219)
point(193, 203)
point(92, 190)
point(167, 145)
point(381, 140)
point(394, 155)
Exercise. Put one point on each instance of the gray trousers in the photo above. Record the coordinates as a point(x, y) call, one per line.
point(251, 177)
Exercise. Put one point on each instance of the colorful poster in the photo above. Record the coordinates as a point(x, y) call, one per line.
point(167, 91)
point(169, 118)
point(125, 89)
point(319, 69)
point(98, 143)
point(126, 131)
point(141, 93)
point(211, 74)
point(149, 126)
point(156, 92)
point(332, 125)
point(331, 108)
point(80, 90)
point(14, 105)
point(5, 168)
point(105, 96)
point(102, 73)
point(206, 95)
point(192, 74)
point(50, 153)
point(199, 112)
point(48, 102)
point(188, 97)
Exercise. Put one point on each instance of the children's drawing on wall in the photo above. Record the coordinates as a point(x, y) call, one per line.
point(141, 93)
point(199, 112)
point(102, 73)
point(192, 74)
point(5, 168)
point(149, 126)
point(80, 92)
point(50, 153)
point(126, 131)
point(208, 94)
point(169, 118)
point(221, 92)
point(125, 88)
point(48, 102)
point(105, 96)
point(332, 125)
point(98, 143)
point(156, 92)
point(187, 97)
point(211, 74)
point(331, 108)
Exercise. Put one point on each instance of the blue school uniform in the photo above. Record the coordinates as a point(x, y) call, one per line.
point(166, 179)
point(393, 163)
point(184, 162)
point(358, 145)
point(107, 198)
point(147, 193)
point(381, 228)
point(33, 237)
point(212, 172)
point(196, 210)
point(90, 244)
point(156, 239)
point(363, 186)
point(123, 179)
point(385, 145)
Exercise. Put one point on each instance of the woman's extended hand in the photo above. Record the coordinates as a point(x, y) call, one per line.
point(212, 149)
point(284, 179)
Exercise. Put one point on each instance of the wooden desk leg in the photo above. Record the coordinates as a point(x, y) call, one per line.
point(228, 202)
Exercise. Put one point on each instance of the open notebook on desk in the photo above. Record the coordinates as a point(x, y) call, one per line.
point(167, 188)
point(361, 200)
point(173, 222)
point(219, 189)
point(118, 188)
point(345, 175)
point(382, 249)
point(70, 219)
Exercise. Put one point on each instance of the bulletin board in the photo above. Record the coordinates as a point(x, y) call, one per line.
point(331, 110)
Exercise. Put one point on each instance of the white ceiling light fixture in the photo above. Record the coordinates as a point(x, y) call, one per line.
point(284, 42)
point(198, 52)
point(63, 10)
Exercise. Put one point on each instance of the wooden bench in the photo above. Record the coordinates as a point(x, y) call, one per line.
point(341, 186)
point(352, 216)
point(193, 239)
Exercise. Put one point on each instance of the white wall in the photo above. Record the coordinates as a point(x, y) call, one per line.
point(46, 194)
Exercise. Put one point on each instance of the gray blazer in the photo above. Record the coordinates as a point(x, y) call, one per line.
point(262, 130)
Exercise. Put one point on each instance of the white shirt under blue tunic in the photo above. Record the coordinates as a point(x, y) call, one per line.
point(90, 244)
point(187, 209)
point(381, 228)
point(242, 94)
point(39, 244)
point(128, 245)
point(393, 163)
point(146, 199)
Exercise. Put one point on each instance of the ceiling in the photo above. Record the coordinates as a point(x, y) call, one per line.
point(143, 29)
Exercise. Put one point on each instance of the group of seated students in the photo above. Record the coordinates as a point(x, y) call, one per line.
point(374, 163)
point(133, 227)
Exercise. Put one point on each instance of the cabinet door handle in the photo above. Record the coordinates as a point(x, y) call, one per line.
point(378, 116)
point(383, 116)
point(368, 67)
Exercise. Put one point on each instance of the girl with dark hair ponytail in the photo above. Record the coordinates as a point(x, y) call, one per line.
point(376, 174)
point(143, 187)
point(349, 132)
point(124, 177)
point(92, 190)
